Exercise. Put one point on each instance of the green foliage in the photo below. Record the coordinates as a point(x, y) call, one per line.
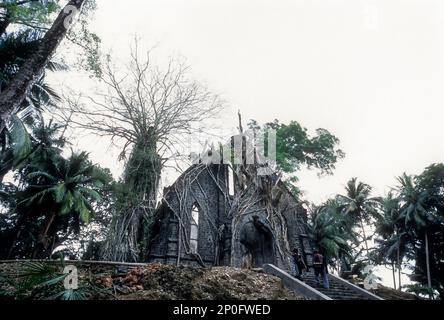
point(392, 244)
point(359, 208)
point(23, 148)
point(294, 147)
point(142, 170)
point(34, 13)
point(422, 198)
point(409, 216)
point(38, 274)
point(15, 49)
point(38, 15)
point(55, 198)
point(419, 290)
point(389, 220)
point(81, 38)
point(43, 281)
point(135, 205)
point(328, 231)
point(358, 203)
point(64, 185)
point(21, 142)
point(414, 207)
point(15, 143)
point(291, 184)
point(90, 43)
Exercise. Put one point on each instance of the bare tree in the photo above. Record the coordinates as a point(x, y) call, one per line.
point(148, 111)
point(145, 104)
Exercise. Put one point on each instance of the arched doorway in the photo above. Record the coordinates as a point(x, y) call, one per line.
point(257, 244)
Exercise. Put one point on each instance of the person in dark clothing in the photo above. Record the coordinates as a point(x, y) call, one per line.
point(319, 268)
point(299, 263)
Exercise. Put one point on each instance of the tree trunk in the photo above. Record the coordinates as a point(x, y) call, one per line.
point(11, 249)
point(429, 279)
point(399, 279)
point(29, 73)
point(365, 238)
point(4, 25)
point(393, 274)
point(141, 176)
point(399, 267)
point(46, 230)
point(399, 270)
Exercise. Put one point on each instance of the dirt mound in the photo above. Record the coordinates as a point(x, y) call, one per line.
point(167, 282)
point(157, 281)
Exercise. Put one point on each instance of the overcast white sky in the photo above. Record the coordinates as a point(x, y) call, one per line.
point(371, 72)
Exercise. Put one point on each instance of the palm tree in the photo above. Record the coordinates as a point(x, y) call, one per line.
point(26, 14)
point(359, 206)
point(15, 48)
point(31, 69)
point(39, 145)
point(394, 239)
point(415, 213)
point(326, 230)
point(60, 191)
point(15, 141)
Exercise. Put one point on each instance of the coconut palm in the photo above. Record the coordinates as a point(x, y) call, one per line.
point(15, 48)
point(394, 239)
point(326, 230)
point(43, 143)
point(359, 207)
point(25, 14)
point(59, 195)
point(15, 141)
point(417, 213)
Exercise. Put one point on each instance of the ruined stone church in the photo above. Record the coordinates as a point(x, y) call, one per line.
point(229, 215)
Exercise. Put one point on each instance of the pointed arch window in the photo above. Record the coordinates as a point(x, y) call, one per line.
point(230, 181)
point(194, 232)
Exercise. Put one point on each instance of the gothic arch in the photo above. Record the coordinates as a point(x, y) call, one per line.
point(194, 227)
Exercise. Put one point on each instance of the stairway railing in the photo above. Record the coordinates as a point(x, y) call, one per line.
point(294, 284)
point(354, 287)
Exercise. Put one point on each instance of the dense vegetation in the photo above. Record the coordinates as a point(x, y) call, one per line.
point(406, 225)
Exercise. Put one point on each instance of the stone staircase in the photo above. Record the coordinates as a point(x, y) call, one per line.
point(338, 290)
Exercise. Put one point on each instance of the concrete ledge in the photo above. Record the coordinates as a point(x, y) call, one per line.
point(355, 288)
point(294, 284)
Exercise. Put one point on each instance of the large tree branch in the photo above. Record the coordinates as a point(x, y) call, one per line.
point(29, 73)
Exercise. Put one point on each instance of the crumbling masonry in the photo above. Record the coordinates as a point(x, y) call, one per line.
point(225, 215)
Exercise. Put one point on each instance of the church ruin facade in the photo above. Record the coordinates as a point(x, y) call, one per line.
point(225, 215)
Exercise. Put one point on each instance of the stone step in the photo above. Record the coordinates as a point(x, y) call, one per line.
point(337, 291)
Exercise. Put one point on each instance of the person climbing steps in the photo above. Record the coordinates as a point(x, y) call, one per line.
point(299, 264)
point(320, 269)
